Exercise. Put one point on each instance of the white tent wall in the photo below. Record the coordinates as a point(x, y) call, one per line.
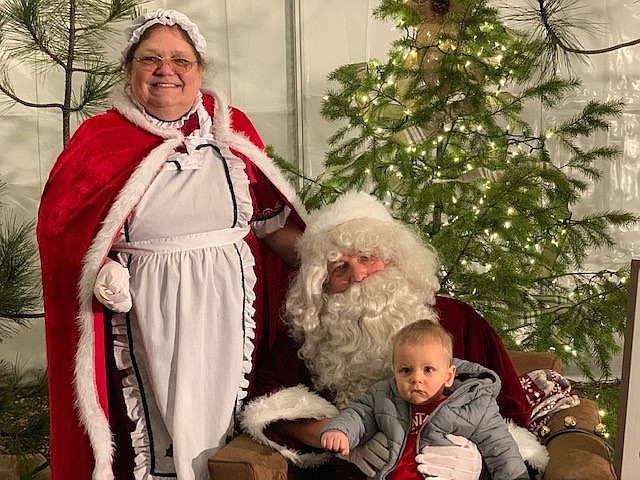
point(271, 58)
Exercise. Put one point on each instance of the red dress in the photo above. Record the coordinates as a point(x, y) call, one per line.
point(94, 186)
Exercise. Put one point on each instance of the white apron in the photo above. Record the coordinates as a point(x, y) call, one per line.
point(186, 345)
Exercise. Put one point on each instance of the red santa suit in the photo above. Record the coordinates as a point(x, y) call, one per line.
point(116, 190)
point(284, 389)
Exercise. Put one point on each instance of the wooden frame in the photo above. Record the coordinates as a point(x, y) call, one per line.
point(627, 450)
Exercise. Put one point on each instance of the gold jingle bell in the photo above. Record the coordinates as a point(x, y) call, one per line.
point(600, 429)
point(570, 421)
point(544, 431)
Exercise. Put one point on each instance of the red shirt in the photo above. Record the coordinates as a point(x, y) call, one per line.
point(407, 467)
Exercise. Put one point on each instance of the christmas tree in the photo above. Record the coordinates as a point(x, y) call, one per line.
point(438, 132)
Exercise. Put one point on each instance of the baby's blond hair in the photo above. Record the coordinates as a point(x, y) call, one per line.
point(421, 330)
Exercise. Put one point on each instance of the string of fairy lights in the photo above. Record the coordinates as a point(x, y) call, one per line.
point(379, 110)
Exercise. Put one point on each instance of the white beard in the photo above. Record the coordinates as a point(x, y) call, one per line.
point(350, 350)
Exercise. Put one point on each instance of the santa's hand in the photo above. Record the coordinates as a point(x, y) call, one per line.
point(112, 287)
point(371, 456)
point(460, 461)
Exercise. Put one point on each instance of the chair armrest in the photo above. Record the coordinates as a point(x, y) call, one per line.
point(573, 455)
point(578, 455)
point(525, 362)
point(245, 459)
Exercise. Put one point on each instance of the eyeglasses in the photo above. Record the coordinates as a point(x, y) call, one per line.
point(151, 63)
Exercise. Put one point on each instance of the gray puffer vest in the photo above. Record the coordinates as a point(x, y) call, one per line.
point(469, 411)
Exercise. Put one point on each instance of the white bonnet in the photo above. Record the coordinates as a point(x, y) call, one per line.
point(163, 17)
point(348, 206)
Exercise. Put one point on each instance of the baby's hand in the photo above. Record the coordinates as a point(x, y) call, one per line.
point(335, 441)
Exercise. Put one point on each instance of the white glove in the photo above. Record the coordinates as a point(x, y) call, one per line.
point(460, 461)
point(371, 456)
point(112, 287)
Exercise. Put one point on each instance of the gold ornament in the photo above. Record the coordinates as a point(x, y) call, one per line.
point(544, 431)
point(600, 429)
point(570, 421)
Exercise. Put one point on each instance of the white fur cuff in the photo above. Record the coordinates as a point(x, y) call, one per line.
point(535, 454)
point(293, 403)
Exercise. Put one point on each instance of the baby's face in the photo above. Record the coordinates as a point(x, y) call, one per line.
point(422, 371)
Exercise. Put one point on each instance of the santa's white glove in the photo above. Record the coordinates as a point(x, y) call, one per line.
point(371, 456)
point(460, 461)
point(112, 287)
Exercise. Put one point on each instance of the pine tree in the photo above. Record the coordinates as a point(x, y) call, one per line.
point(438, 132)
point(65, 37)
point(69, 41)
point(24, 422)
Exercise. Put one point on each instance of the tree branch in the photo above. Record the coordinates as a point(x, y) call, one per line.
point(17, 99)
point(545, 16)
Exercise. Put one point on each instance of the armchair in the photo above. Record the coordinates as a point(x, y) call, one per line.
point(574, 454)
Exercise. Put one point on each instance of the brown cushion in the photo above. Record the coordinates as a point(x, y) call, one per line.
point(578, 455)
point(248, 460)
point(525, 362)
point(579, 465)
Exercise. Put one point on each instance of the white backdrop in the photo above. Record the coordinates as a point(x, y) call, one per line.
point(271, 58)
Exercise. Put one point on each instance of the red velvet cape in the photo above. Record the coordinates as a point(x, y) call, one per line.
point(92, 188)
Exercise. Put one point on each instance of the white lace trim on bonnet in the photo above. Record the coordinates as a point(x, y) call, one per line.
point(163, 17)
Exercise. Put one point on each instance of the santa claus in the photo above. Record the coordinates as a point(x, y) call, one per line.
point(363, 276)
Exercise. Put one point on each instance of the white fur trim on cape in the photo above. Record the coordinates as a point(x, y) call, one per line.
point(223, 132)
point(293, 403)
point(348, 206)
point(91, 414)
point(534, 453)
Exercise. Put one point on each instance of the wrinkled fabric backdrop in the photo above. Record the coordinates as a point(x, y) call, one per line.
point(271, 58)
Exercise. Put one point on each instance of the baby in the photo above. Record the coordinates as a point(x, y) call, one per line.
point(432, 397)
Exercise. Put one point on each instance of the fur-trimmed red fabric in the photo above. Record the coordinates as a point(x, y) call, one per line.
point(94, 185)
point(282, 370)
point(93, 168)
point(475, 341)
